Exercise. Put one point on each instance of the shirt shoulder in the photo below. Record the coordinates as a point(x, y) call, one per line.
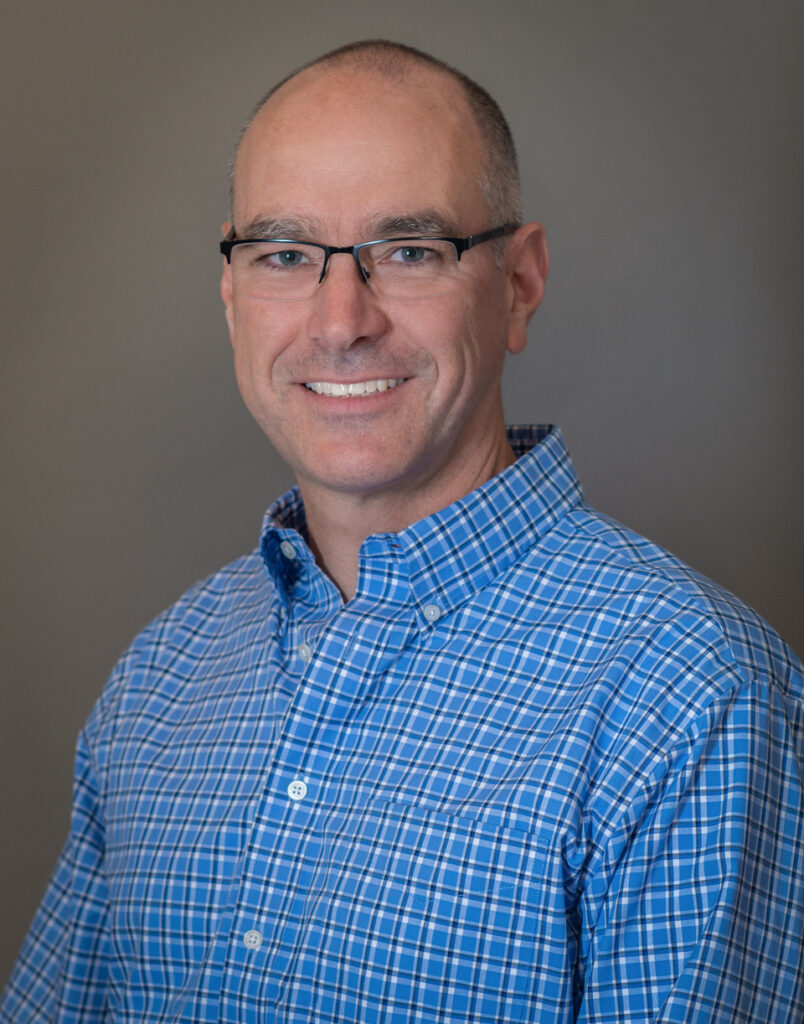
point(655, 663)
point(661, 588)
point(212, 628)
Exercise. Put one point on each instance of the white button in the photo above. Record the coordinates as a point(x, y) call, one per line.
point(252, 939)
point(297, 790)
point(287, 549)
point(432, 612)
point(305, 652)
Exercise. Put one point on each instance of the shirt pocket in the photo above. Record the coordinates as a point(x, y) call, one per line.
point(416, 915)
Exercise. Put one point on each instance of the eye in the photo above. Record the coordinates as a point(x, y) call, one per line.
point(286, 258)
point(275, 257)
point(412, 254)
point(419, 258)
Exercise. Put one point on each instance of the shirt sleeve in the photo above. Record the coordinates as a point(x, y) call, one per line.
point(702, 917)
point(62, 971)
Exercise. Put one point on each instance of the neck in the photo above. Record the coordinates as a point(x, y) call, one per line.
point(339, 521)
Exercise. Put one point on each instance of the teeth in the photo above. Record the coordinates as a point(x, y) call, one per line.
point(361, 387)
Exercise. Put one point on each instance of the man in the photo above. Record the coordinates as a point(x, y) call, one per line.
point(450, 746)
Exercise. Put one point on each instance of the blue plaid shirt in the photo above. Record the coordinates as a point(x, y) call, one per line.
point(536, 770)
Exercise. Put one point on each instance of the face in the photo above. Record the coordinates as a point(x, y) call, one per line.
point(334, 157)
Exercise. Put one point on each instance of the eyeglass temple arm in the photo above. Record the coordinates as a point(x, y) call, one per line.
point(484, 236)
point(226, 244)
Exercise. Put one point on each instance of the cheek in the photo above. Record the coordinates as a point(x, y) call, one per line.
point(253, 362)
point(475, 342)
point(259, 336)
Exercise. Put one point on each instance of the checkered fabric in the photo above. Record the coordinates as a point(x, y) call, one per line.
point(536, 770)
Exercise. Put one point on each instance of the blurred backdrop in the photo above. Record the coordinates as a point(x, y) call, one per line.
point(662, 147)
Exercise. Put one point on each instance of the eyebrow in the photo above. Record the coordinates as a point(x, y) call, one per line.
point(278, 227)
point(401, 225)
point(420, 222)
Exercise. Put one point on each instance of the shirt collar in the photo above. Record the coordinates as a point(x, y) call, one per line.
point(453, 553)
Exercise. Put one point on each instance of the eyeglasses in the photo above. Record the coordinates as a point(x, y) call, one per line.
point(394, 268)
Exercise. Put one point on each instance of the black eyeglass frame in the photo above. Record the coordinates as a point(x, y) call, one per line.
point(461, 245)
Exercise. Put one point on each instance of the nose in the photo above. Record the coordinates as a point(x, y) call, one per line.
point(344, 310)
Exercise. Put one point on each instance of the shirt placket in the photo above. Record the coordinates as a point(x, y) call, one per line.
point(342, 665)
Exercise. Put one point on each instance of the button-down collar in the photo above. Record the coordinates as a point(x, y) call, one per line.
point(438, 562)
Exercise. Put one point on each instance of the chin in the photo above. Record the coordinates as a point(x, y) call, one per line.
point(359, 475)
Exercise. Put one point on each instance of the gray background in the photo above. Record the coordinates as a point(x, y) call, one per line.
point(661, 145)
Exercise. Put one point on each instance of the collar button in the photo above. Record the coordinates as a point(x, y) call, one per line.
point(432, 612)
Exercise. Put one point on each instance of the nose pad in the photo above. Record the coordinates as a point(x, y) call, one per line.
point(363, 274)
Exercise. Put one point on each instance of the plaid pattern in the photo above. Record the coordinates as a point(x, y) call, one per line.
point(537, 770)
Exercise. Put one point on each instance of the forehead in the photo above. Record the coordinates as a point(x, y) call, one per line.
point(347, 148)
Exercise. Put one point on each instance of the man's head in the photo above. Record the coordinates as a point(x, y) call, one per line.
point(499, 169)
point(355, 147)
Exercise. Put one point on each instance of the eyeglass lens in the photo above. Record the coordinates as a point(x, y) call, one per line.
point(401, 268)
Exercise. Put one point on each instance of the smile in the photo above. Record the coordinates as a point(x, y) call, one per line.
point(358, 388)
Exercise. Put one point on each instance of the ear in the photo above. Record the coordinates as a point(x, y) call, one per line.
point(226, 286)
point(526, 265)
